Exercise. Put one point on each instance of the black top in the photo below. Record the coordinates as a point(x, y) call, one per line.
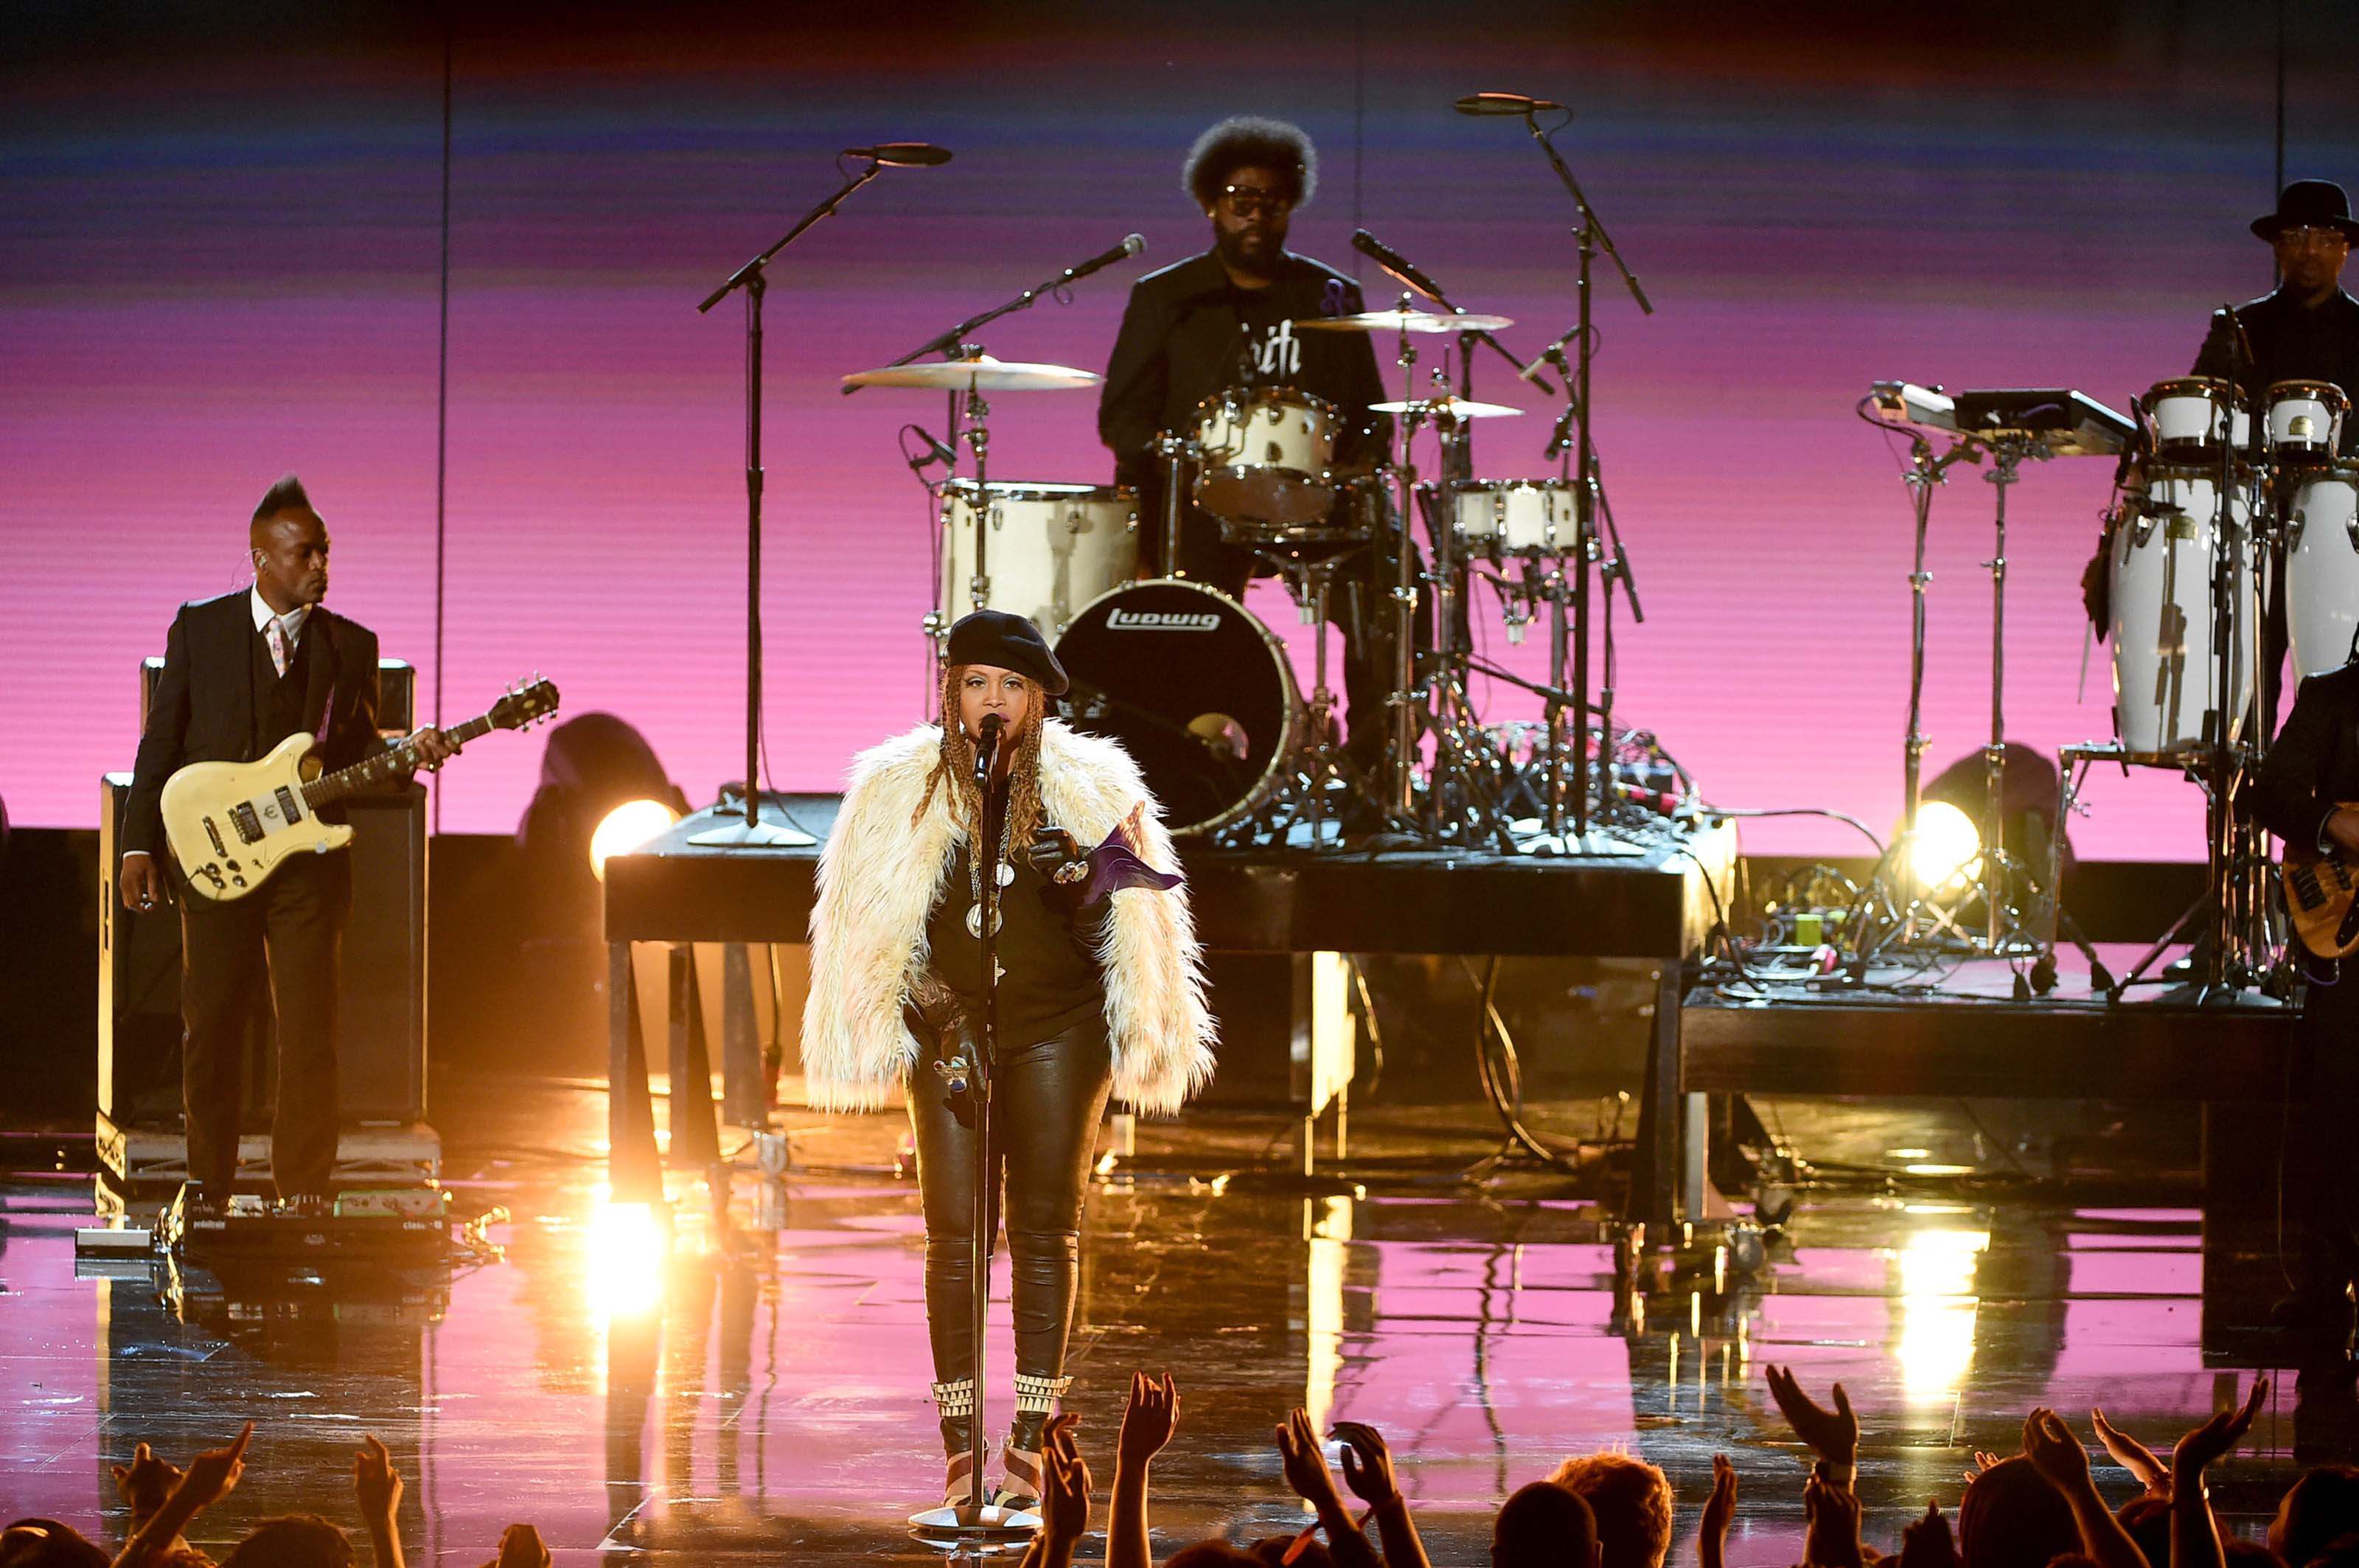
point(1188, 331)
point(2293, 342)
point(205, 708)
point(1051, 979)
point(2314, 765)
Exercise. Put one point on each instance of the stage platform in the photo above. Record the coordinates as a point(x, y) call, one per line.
point(1659, 906)
point(756, 1392)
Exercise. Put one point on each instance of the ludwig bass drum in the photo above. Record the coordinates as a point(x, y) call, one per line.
point(1196, 689)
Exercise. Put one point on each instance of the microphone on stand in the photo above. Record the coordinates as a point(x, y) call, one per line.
point(1561, 436)
point(1131, 245)
point(986, 746)
point(1503, 104)
point(902, 154)
point(1552, 355)
point(1400, 265)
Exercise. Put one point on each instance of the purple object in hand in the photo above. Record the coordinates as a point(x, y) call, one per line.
point(1114, 866)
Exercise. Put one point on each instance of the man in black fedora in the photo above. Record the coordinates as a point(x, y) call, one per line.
point(2306, 328)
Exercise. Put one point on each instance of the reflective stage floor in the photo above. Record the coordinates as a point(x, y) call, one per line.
point(759, 1392)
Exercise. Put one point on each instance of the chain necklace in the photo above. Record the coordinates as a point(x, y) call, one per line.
point(1002, 874)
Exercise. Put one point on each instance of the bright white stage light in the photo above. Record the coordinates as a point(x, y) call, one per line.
point(622, 1272)
point(1946, 843)
point(626, 828)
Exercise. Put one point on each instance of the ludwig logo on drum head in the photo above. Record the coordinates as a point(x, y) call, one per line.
point(1121, 620)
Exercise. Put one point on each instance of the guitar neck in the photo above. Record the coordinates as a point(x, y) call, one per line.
point(390, 763)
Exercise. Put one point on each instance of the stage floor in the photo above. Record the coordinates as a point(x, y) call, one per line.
point(762, 1394)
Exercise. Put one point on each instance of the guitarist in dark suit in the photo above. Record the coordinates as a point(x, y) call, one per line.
point(2314, 767)
point(241, 673)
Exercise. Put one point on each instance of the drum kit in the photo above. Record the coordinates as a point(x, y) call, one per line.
point(2222, 507)
point(1203, 694)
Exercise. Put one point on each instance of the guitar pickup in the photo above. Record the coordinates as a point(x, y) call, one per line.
point(286, 806)
point(247, 821)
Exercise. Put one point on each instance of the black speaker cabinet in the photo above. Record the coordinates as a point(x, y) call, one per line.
point(381, 1044)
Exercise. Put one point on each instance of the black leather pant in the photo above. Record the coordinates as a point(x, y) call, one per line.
point(1047, 1099)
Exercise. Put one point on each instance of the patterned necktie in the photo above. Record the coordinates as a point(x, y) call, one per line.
point(276, 635)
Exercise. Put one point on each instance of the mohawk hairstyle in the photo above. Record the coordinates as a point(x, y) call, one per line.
point(287, 496)
point(1249, 141)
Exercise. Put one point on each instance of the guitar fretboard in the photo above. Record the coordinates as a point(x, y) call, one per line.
point(388, 764)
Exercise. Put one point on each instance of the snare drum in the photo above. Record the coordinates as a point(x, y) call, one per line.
point(1266, 455)
point(2305, 421)
point(2166, 680)
point(1195, 687)
point(2322, 569)
point(1500, 517)
point(2187, 413)
point(1049, 549)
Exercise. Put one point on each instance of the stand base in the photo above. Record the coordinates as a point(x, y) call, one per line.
point(974, 1524)
point(739, 833)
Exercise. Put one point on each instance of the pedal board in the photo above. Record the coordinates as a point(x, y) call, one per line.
point(393, 1224)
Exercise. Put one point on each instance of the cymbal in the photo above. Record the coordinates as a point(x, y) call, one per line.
point(1405, 321)
point(1451, 408)
point(983, 374)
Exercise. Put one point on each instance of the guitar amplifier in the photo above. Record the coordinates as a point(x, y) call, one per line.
point(397, 693)
point(381, 1030)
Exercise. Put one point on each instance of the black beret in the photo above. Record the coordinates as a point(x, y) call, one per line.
point(1006, 642)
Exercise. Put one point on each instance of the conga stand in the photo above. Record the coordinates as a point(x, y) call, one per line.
point(976, 1522)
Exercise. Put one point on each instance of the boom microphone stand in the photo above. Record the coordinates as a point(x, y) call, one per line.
point(752, 833)
point(1592, 239)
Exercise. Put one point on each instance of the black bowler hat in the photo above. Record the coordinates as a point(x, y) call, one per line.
point(1006, 642)
point(2308, 204)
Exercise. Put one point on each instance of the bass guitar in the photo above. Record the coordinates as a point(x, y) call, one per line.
point(2320, 888)
point(230, 825)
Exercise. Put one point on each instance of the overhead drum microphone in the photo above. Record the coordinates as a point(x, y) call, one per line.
point(1503, 104)
point(902, 154)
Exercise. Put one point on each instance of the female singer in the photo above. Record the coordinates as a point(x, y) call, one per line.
point(1100, 990)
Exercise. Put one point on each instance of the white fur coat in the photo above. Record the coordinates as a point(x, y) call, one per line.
point(880, 873)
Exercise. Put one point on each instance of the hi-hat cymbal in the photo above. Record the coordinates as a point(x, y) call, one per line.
point(981, 374)
point(1405, 321)
point(1452, 407)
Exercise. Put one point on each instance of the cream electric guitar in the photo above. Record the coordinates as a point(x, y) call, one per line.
point(231, 823)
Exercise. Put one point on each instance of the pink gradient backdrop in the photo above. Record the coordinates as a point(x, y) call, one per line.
point(208, 280)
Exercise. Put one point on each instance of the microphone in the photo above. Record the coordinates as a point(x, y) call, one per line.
point(1552, 355)
point(902, 154)
point(1561, 436)
point(1501, 104)
point(1131, 245)
point(986, 745)
point(936, 450)
point(1392, 261)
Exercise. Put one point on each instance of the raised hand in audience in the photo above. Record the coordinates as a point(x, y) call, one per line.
point(1147, 1423)
point(1064, 1499)
point(1831, 1434)
point(2194, 1534)
point(1368, 1471)
point(1832, 1529)
point(2132, 1455)
point(2057, 1453)
point(377, 1487)
point(1926, 1542)
point(145, 1483)
point(211, 1476)
point(1306, 1471)
point(1719, 1512)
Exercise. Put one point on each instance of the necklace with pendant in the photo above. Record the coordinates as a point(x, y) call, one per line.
point(1003, 874)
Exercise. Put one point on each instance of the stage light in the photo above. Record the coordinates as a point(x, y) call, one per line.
point(626, 828)
point(622, 1272)
point(1945, 844)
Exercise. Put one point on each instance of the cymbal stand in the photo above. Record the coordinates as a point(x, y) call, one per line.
point(1925, 471)
point(1318, 761)
point(1993, 874)
point(1400, 779)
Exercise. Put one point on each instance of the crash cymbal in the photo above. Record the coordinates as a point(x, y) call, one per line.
point(1405, 321)
point(983, 374)
point(1451, 408)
